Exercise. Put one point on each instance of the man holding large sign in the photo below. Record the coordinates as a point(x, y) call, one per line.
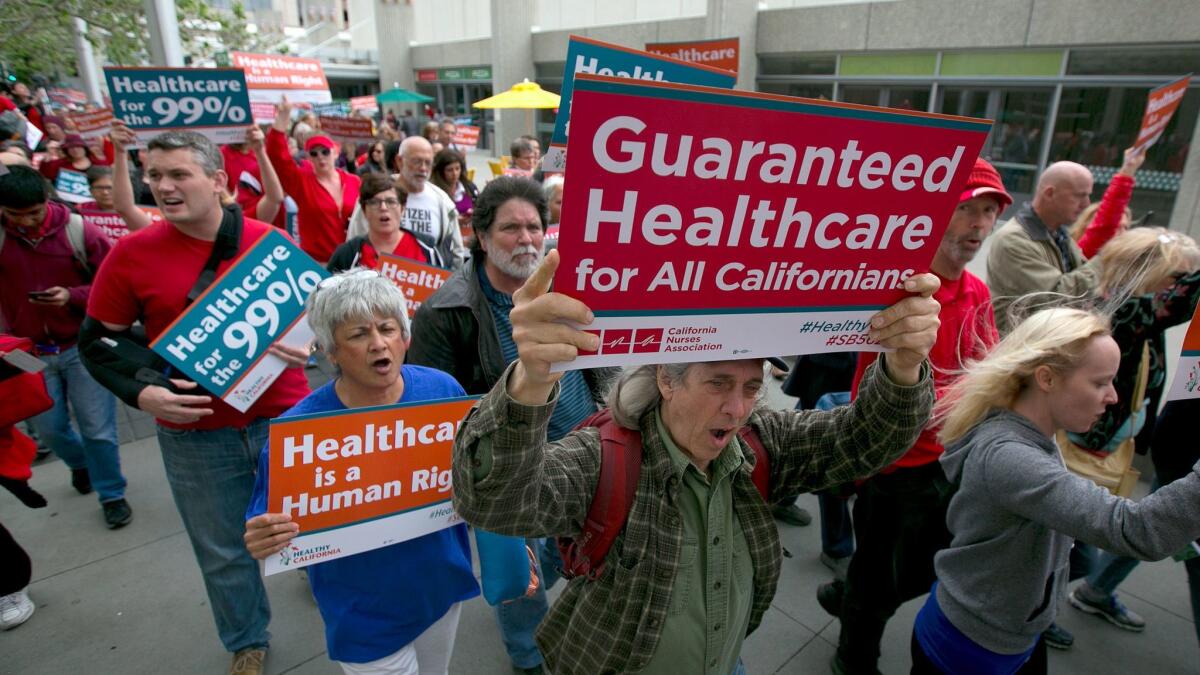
point(356, 483)
point(804, 219)
point(209, 448)
point(211, 101)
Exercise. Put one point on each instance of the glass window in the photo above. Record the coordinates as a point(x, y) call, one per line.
point(1134, 61)
point(784, 64)
point(859, 94)
point(1019, 121)
point(908, 98)
point(801, 89)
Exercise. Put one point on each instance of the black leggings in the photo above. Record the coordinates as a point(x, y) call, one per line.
point(15, 568)
point(1036, 665)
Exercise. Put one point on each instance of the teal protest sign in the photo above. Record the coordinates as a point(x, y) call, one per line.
point(585, 55)
point(73, 187)
point(210, 101)
point(221, 341)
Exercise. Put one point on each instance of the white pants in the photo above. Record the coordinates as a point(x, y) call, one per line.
point(429, 654)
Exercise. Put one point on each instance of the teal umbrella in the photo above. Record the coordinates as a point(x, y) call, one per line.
point(398, 95)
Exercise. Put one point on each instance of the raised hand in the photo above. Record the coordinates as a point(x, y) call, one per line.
point(910, 328)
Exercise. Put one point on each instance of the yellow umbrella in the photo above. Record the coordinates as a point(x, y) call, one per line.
point(522, 95)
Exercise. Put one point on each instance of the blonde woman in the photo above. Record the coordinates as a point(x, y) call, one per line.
point(1155, 269)
point(1017, 509)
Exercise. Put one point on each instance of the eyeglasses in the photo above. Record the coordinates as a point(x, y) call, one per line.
point(386, 202)
point(324, 152)
point(418, 162)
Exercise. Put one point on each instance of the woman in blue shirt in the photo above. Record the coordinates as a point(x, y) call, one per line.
point(394, 609)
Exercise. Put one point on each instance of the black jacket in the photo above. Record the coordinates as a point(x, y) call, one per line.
point(454, 332)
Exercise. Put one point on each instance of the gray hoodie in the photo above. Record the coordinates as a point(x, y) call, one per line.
point(1014, 517)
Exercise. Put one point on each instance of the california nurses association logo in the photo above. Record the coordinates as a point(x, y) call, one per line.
point(627, 341)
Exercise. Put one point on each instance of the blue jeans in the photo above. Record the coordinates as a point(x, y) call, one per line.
point(94, 446)
point(211, 474)
point(837, 528)
point(520, 618)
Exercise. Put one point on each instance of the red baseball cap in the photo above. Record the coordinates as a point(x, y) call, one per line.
point(985, 182)
point(319, 140)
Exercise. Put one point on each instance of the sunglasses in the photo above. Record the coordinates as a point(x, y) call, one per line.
point(322, 151)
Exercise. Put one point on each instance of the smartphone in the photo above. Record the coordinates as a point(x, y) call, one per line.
point(38, 295)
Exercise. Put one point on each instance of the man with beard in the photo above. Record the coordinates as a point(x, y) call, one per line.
point(464, 330)
point(900, 513)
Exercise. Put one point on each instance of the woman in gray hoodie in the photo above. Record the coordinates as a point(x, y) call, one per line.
point(1017, 509)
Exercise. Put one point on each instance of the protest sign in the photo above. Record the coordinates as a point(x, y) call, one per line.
point(33, 135)
point(1160, 107)
point(367, 104)
point(67, 97)
point(585, 55)
point(720, 53)
point(694, 239)
point(417, 280)
point(95, 124)
point(334, 109)
point(111, 222)
point(358, 480)
point(342, 129)
point(258, 301)
point(552, 233)
point(209, 101)
point(466, 137)
point(270, 77)
point(1186, 383)
point(263, 113)
point(73, 187)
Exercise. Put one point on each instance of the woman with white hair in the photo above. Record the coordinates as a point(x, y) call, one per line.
point(1017, 509)
point(394, 609)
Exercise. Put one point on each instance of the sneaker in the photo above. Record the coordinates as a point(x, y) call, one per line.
point(81, 481)
point(1058, 637)
point(536, 670)
point(838, 666)
point(829, 597)
point(791, 514)
point(117, 513)
point(839, 566)
point(1110, 609)
point(15, 609)
point(248, 661)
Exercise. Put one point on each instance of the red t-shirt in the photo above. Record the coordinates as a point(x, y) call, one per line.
point(320, 221)
point(967, 332)
point(148, 275)
point(237, 163)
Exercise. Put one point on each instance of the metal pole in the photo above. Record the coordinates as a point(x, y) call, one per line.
point(87, 61)
point(161, 19)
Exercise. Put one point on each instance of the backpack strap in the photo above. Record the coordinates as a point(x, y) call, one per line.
point(620, 468)
point(762, 464)
point(78, 246)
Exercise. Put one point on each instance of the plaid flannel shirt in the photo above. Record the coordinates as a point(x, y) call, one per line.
point(541, 489)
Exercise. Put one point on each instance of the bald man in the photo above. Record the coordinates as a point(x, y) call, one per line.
point(429, 213)
point(1034, 253)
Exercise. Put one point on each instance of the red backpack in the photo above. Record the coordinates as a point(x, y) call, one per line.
point(620, 467)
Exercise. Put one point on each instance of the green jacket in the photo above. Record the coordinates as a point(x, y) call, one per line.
point(1024, 259)
point(540, 489)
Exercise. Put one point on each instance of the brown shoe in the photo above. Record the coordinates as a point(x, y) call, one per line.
point(248, 661)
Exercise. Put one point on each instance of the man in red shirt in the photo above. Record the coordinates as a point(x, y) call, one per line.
point(900, 514)
point(209, 449)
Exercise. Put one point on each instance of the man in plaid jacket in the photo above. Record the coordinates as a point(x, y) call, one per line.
point(697, 563)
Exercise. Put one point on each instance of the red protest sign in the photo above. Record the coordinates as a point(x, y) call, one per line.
point(357, 480)
point(1160, 107)
point(417, 280)
point(347, 128)
point(272, 76)
point(801, 220)
point(95, 124)
point(721, 53)
point(466, 136)
point(364, 103)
